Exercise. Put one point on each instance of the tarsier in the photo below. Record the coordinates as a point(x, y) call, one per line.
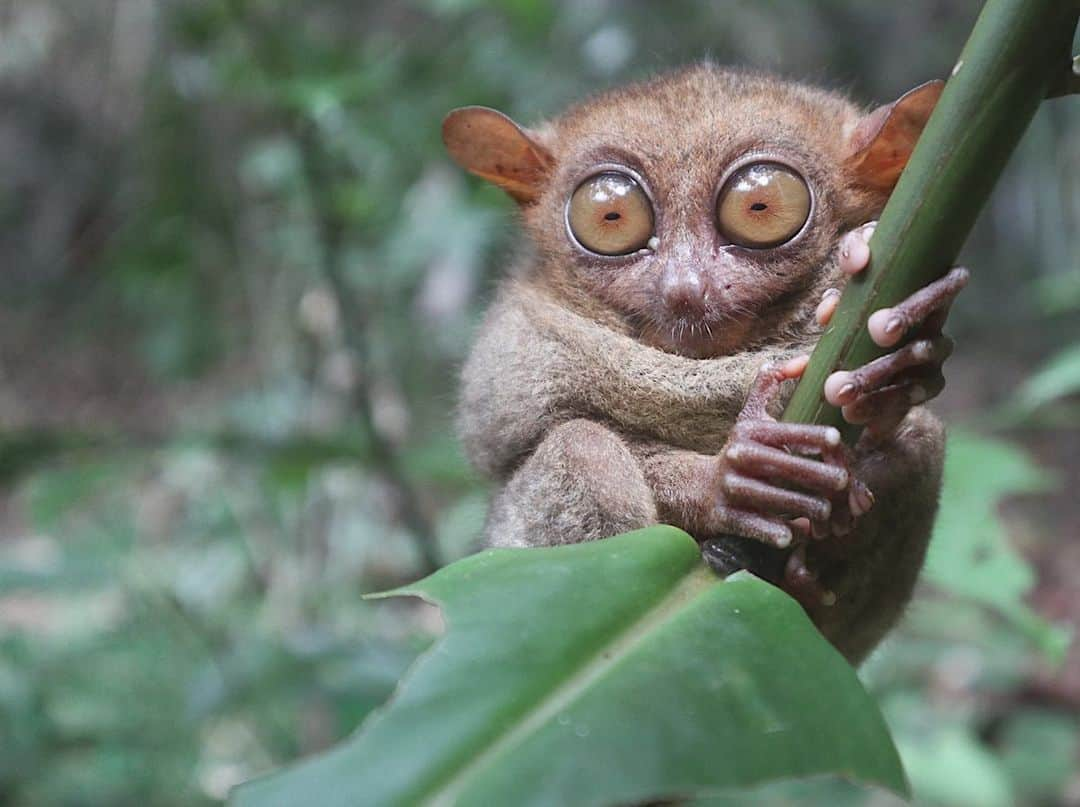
point(687, 238)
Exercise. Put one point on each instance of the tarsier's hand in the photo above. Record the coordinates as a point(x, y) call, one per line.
point(770, 490)
point(761, 464)
point(879, 394)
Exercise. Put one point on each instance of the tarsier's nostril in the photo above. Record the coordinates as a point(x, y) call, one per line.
point(684, 294)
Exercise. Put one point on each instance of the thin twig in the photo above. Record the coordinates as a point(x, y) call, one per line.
point(318, 172)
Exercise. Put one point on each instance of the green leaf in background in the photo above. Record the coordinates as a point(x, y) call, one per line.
point(1039, 753)
point(950, 768)
point(1059, 293)
point(970, 555)
point(1057, 379)
point(602, 673)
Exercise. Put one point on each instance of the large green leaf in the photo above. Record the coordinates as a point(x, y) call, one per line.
point(602, 673)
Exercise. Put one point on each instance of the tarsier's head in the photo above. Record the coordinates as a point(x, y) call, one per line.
point(694, 206)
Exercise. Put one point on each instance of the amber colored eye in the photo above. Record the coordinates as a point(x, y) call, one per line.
point(762, 205)
point(610, 214)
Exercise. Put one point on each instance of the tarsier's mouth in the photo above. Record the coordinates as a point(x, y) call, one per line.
point(699, 337)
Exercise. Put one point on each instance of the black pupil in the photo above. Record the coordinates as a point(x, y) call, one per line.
point(759, 206)
point(612, 216)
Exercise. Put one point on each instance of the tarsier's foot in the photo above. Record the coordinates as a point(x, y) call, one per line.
point(879, 394)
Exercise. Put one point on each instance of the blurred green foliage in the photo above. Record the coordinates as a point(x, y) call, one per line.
point(239, 278)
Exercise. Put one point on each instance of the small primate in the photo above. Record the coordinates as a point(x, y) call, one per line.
point(687, 237)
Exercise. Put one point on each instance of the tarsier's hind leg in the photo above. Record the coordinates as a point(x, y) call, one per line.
point(581, 483)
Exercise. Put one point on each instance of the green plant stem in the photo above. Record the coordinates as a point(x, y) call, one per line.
point(1017, 52)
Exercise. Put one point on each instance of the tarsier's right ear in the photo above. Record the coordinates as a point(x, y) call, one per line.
point(490, 145)
point(882, 141)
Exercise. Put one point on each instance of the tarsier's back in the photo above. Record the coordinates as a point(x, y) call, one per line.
point(684, 242)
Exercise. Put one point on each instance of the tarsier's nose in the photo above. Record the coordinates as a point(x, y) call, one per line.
point(683, 292)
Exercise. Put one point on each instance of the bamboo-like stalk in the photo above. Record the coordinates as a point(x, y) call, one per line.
point(1019, 52)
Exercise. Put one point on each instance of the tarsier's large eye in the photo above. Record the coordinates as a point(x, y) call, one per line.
point(762, 205)
point(610, 214)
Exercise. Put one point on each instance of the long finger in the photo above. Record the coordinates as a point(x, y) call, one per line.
point(799, 436)
point(762, 496)
point(892, 401)
point(845, 386)
point(855, 249)
point(827, 307)
point(888, 325)
point(763, 462)
point(766, 386)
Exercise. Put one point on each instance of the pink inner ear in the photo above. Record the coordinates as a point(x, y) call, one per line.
point(883, 141)
point(489, 144)
point(867, 129)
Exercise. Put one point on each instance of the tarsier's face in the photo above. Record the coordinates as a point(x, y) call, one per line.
point(692, 260)
point(694, 205)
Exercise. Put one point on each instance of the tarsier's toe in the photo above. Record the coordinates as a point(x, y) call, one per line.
point(855, 248)
point(860, 499)
point(915, 361)
point(857, 502)
point(879, 394)
point(894, 402)
point(802, 584)
point(926, 310)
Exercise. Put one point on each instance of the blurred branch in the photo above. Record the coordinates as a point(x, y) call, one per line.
point(319, 175)
point(1015, 52)
point(318, 165)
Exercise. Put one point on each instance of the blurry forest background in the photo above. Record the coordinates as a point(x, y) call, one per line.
point(239, 276)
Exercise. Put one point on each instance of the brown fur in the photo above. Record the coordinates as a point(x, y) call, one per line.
point(592, 411)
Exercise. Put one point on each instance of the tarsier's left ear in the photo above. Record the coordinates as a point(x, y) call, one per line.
point(882, 141)
point(490, 145)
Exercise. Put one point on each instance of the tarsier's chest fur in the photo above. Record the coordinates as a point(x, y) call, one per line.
point(592, 412)
point(537, 364)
